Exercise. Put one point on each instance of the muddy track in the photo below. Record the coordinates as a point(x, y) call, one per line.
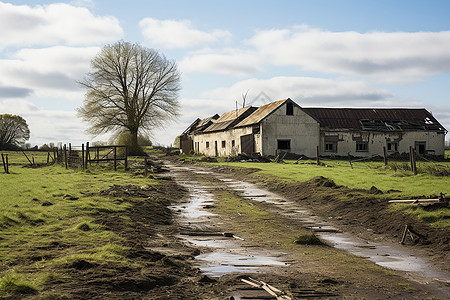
point(288, 273)
point(177, 260)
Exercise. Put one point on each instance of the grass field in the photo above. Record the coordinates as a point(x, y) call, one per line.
point(363, 175)
point(52, 207)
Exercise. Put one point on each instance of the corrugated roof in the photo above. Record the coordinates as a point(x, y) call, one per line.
point(207, 120)
point(230, 118)
point(261, 113)
point(380, 119)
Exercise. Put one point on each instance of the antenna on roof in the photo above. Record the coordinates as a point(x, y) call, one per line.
point(236, 110)
point(243, 98)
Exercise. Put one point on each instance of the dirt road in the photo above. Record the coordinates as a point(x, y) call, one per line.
point(227, 249)
point(202, 229)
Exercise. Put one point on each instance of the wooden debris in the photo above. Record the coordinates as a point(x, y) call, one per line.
point(280, 295)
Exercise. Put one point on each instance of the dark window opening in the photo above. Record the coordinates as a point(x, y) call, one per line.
point(207, 144)
point(233, 143)
point(289, 109)
point(330, 147)
point(362, 146)
point(421, 148)
point(392, 146)
point(284, 144)
point(224, 144)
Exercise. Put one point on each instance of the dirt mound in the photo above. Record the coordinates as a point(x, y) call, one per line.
point(129, 190)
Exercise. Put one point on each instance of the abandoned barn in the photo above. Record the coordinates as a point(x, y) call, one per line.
point(285, 126)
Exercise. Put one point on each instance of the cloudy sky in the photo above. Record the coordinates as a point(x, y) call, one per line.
point(320, 53)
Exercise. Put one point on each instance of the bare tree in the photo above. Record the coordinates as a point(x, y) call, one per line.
point(130, 88)
point(14, 131)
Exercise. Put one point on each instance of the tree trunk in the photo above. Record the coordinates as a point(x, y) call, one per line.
point(133, 147)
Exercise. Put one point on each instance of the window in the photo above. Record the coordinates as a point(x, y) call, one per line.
point(289, 109)
point(224, 143)
point(330, 146)
point(207, 145)
point(421, 147)
point(362, 146)
point(392, 146)
point(284, 144)
point(233, 143)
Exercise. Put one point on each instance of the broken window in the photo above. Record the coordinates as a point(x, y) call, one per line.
point(284, 144)
point(289, 109)
point(224, 143)
point(362, 146)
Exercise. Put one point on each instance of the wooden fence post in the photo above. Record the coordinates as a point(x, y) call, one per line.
point(115, 158)
point(87, 155)
point(5, 164)
point(48, 157)
point(385, 156)
point(82, 156)
point(317, 154)
point(412, 160)
point(65, 156)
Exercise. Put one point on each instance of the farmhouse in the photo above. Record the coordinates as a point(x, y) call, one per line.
point(285, 126)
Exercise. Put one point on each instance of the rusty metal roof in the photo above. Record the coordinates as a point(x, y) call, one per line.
point(261, 113)
point(230, 118)
point(378, 119)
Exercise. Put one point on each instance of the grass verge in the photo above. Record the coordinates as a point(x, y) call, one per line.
point(49, 219)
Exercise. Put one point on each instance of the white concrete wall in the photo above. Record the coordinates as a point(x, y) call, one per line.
point(346, 144)
point(301, 129)
point(227, 136)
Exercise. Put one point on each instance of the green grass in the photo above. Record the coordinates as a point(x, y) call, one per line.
point(439, 217)
point(50, 206)
point(18, 158)
point(363, 176)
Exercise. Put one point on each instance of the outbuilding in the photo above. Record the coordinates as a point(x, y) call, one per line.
point(285, 126)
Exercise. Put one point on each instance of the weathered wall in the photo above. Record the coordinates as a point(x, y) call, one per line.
point(346, 142)
point(301, 129)
point(201, 141)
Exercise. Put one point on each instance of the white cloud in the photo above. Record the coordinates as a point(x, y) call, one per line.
point(305, 91)
point(47, 69)
point(390, 57)
point(47, 125)
point(58, 23)
point(230, 62)
point(179, 34)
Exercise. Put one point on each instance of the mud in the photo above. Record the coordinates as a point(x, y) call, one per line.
point(170, 238)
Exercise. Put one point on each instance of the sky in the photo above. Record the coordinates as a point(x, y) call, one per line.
point(319, 53)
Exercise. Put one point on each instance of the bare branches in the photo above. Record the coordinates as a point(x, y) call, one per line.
point(130, 87)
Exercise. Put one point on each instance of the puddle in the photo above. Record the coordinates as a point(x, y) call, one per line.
point(228, 256)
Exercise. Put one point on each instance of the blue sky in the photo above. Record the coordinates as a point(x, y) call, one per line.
point(318, 53)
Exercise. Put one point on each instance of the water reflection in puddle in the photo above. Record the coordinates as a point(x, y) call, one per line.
point(229, 257)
